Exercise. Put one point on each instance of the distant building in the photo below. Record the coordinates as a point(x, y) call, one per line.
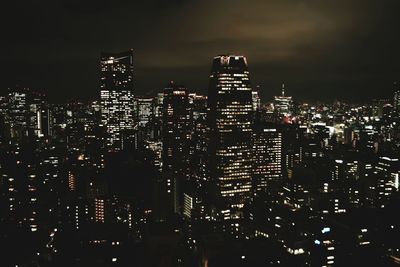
point(117, 99)
point(283, 104)
point(27, 114)
point(267, 156)
point(396, 98)
point(158, 105)
point(387, 171)
point(117, 71)
point(378, 106)
point(144, 107)
point(256, 100)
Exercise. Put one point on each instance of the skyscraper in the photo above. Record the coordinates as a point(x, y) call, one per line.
point(144, 110)
point(117, 99)
point(175, 136)
point(230, 127)
point(267, 155)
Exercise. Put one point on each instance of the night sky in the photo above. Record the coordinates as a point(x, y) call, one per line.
point(322, 50)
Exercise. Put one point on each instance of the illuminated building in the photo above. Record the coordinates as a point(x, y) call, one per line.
point(198, 141)
point(158, 105)
point(396, 98)
point(387, 171)
point(231, 129)
point(117, 99)
point(29, 181)
point(293, 150)
point(283, 104)
point(199, 105)
point(175, 137)
point(117, 71)
point(44, 121)
point(18, 113)
point(71, 181)
point(27, 114)
point(144, 107)
point(256, 100)
point(156, 148)
point(267, 156)
point(99, 210)
point(192, 207)
point(324, 251)
point(296, 195)
point(345, 170)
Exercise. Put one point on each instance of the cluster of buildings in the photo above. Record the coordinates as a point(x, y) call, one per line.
point(205, 180)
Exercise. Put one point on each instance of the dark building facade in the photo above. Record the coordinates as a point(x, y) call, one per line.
point(117, 71)
point(396, 98)
point(175, 136)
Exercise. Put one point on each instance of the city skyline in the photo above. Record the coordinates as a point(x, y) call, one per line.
point(182, 178)
point(340, 48)
point(207, 133)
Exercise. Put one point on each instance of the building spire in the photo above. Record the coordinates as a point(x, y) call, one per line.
point(283, 89)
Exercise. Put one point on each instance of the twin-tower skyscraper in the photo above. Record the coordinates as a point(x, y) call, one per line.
point(229, 122)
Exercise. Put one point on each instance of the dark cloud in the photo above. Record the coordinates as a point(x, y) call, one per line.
point(321, 49)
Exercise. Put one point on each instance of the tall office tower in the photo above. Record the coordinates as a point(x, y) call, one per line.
point(387, 170)
point(199, 141)
point(175, 136)
point(117, 100)
point(267, 156)
point(396, 100)
point(283, 104)
point(17, 113)
point(231, 128)
point(144, 110)
point(40, 117)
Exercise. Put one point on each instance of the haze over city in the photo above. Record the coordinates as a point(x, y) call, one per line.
point(322, 50)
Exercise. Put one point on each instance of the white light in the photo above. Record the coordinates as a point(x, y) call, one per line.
point(114, 259)
point(326, 230)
